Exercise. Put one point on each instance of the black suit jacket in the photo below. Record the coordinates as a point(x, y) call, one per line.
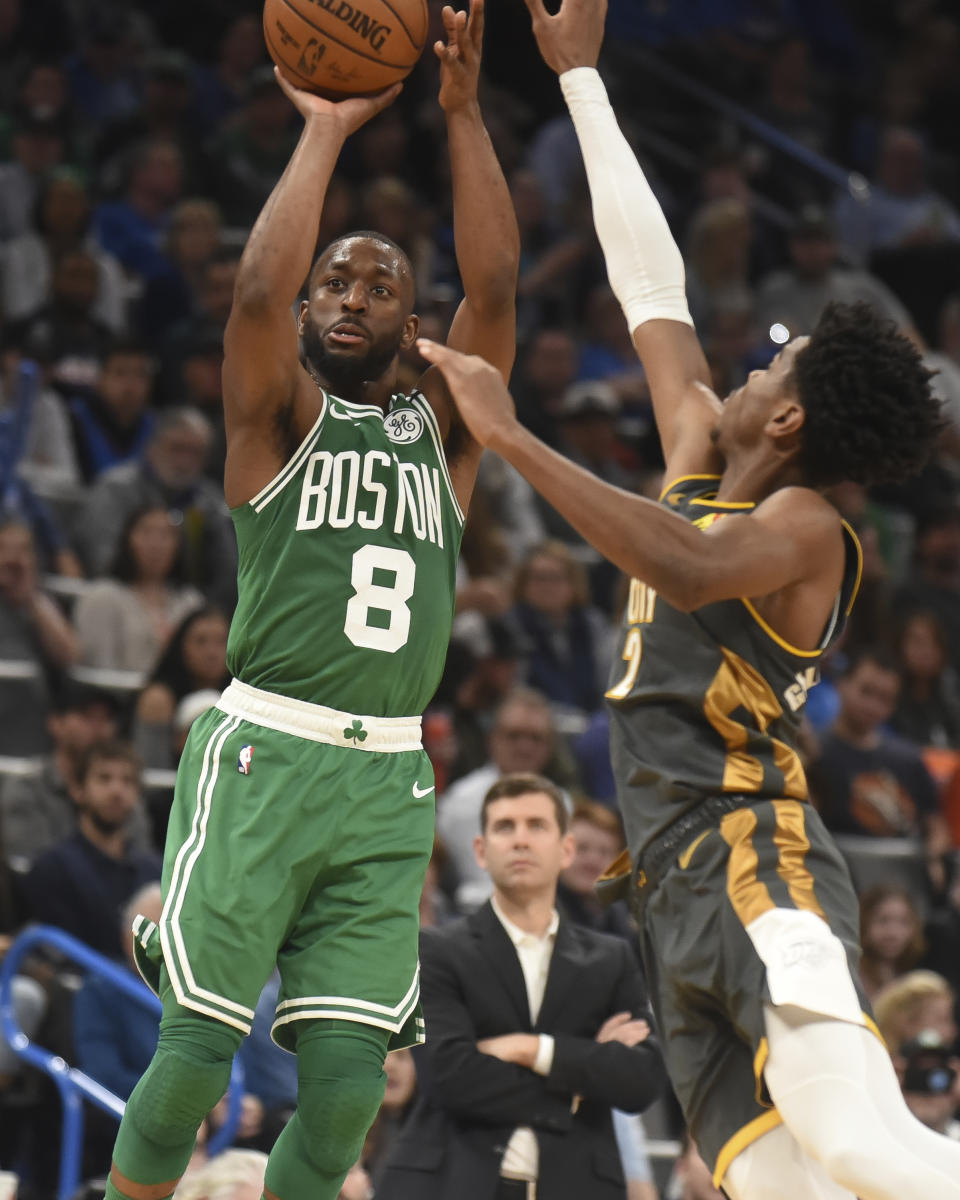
point(469, 1103)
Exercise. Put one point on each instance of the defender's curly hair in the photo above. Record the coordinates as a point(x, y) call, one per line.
point(870, 414)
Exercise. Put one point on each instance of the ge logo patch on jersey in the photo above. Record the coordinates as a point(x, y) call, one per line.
point(403, 426)
point(245, 759)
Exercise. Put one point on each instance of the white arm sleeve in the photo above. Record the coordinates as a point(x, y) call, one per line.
point(644, 265)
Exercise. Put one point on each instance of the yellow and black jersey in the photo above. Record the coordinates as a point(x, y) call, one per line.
point(709, 701)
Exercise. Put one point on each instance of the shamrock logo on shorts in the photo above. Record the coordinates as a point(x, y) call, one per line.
point(356, 732)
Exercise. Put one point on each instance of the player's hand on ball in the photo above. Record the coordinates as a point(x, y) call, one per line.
point(477, 388)
point(350, 114)
point(460, 56)
point(573, 36)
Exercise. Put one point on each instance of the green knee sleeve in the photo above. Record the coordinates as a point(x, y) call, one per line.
point(341, 1083)
point(189, 1074)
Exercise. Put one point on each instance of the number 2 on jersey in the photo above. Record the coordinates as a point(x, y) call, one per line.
point(390, 600)
point(641, 601)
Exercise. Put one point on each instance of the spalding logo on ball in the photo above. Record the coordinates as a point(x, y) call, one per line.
point(340, 48)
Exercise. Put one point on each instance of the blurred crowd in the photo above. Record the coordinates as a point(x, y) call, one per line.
point(137, 145)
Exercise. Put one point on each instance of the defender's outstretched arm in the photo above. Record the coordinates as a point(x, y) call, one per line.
point(644, 264)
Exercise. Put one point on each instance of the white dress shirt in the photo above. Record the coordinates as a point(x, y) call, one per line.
point(521, 1158)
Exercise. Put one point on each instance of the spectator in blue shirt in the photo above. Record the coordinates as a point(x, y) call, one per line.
point(114, 1036)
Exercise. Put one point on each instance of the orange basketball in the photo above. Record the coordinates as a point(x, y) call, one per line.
point(343, 48)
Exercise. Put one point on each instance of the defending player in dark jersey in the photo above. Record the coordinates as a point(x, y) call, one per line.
point(303, 815)
point(740, 578)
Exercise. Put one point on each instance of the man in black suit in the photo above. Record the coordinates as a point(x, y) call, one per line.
point(536, 1028)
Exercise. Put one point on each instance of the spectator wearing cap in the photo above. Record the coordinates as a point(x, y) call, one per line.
point(112, 423)
point(39, 145)
point(61, 223)
point(608, 353)
point(83, 881)
point(796, 296)
point(38, 810)
point(170, 472)
point(587, 434)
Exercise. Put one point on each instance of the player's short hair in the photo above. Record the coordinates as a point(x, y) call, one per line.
point(870, 414)
point(112, 750)
point(369, 235)
point(509, 787)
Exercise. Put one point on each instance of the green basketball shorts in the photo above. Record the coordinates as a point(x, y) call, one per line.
point(299, 836)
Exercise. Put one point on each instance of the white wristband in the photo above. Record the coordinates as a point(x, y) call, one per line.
point(644, 265)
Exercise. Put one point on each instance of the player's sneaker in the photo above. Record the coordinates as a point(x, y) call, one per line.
point(147, 952)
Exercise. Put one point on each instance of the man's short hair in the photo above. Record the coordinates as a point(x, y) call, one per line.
point(523, 784)
point(71, 695)
point(113, 750)
point(600, 817)
point(878, 656)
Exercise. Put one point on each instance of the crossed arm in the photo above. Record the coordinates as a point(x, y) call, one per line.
point(493, 1081)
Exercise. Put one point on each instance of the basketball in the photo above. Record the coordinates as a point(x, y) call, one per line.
point(340, 48)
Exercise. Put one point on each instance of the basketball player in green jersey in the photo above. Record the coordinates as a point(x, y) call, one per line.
point(304, 810)
point(740, 578)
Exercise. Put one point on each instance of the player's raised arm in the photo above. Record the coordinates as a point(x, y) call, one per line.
point(485, 225)
point(644, 265)
point(261, 354)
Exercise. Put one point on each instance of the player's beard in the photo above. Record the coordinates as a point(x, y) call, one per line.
point(346, 373)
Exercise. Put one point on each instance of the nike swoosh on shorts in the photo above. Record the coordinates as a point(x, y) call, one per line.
point(419, 792)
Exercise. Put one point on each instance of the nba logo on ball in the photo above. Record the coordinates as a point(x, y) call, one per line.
point(403, 426)
point(244, 760)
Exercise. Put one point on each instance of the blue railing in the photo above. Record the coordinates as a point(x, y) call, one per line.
point(846, 180)
point(75, 1085)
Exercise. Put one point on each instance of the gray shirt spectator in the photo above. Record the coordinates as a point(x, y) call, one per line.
point(522, 739)
point(38, 810)
point(796, 296)
point(901, 209)
point(170, 473)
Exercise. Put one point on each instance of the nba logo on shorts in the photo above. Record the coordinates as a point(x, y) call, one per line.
point(245, 759)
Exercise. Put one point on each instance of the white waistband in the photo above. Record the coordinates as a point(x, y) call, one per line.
point(384, 735)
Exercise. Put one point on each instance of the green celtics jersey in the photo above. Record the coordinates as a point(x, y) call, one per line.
point(347, 563)
point(709, 701)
